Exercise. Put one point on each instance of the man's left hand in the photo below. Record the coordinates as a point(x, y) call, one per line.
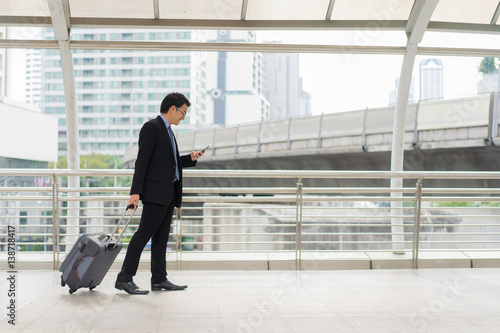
point(196, 155)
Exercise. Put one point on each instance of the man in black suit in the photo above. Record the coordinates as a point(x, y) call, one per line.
point(158, 183)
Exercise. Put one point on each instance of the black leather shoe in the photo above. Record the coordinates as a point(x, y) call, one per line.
point(166, 285)
point(131, 288)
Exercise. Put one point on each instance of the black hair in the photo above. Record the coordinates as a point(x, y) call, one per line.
point(176, 99)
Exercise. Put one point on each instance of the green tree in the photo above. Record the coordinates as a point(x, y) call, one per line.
point(487, 65)
point(97, 161)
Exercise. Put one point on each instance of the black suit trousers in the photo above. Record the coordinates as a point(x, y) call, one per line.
point(155, 225)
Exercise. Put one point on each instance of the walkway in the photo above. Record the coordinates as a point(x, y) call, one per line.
point(427, 300)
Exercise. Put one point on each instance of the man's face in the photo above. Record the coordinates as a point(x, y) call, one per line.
point(177, 114)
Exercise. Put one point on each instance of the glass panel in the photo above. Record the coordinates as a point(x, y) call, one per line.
point(24, 8)
point(372, 10)
point(465, 11)
point(360, 37)
point(460, 40)
point(195, 9)
point(30, 32)
point(112, 8)
point(287, 9)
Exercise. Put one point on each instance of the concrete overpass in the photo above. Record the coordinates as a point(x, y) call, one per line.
point(458, 134)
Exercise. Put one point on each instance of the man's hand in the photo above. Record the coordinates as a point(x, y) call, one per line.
point(134, 200)
point(196, 155)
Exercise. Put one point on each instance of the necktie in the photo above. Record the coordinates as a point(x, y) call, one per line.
point(171, 134)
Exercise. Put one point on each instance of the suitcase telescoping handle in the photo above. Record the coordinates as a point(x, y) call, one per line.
point(118, 225)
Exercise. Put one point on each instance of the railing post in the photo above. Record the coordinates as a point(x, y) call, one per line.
point(178, 243)
point(363, 133)
point(492, 120)
point(258, 136)
point(415, 143)
point(288, 140)
point(319, 130)
point(298, 226)
point(416, 224)
point(55, 222)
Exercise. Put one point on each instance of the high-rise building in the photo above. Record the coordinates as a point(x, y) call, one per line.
point(117, 91)
point(393, 94)
point(236, 81)
point(282, 84)
point(33, 76)
point(3, 63)
point(431, 79)
point(305, 108)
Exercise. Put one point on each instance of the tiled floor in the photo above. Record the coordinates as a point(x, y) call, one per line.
point(427, 300)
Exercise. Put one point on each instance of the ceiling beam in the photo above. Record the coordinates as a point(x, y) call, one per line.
point(329, 11)
point(235, 47)
point(59, 12)
point(244, 7)
point(156, 6)
point(496, 14)
point(335, 25)
point(469, 28)
point(254, 47)
point(419, 19)
point(79, 22)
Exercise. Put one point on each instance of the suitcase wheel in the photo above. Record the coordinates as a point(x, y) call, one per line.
point(91, 288)
point(72, 291)
point(62, 282)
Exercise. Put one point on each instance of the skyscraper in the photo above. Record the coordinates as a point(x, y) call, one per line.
point(236, 81)
point(393, 94)
point(431, 79)
point(118, 90)
point(282, 83)
point(33, 76)
point(3, 63)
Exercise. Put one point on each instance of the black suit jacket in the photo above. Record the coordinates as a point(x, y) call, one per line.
point(155, 166)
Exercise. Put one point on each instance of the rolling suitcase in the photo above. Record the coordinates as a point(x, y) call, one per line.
point(91, 257)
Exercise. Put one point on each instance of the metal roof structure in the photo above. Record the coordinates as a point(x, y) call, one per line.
point(414, 17)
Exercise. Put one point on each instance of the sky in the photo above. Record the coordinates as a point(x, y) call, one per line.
point(344, 82)
point(352, 82)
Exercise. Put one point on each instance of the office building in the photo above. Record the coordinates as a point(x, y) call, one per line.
point(236, 81)
point(117, 91)
point(32, 147)
point(283, 87)
point(33, 76)
point(431, 79)
point(305, 108)
point(393, 94)
point(3, 63)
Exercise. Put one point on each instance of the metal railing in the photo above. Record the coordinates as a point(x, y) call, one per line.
point(232, 212)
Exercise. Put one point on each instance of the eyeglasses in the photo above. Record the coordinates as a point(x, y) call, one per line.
point(183, 112)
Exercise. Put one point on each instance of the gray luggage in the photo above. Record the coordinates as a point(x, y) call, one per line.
point(91, 257)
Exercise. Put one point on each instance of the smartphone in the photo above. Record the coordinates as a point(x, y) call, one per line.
point(205, 149)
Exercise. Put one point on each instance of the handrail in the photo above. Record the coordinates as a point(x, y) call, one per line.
point(231, 173)
point(259, 219)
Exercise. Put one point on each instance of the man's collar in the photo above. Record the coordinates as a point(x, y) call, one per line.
point(164, 120)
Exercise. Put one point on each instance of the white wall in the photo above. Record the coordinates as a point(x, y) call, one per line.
point(243, 109)
point(27, 134)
